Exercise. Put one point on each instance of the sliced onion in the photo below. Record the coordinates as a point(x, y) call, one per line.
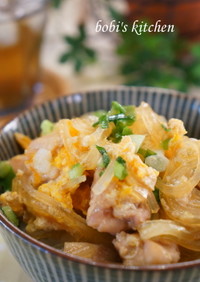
point(148, 122)
point(183, 171)
point(90, 159)
point(42, 205)
point(185, 211)
point(168, 229)
point(68, 140)
point(103, 182)
point(153, 205)
point(137, 140)
point(158, 162)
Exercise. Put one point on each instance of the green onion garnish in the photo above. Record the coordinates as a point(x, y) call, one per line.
point(122, 117)
point(46, 127)
point(165, 128)
point(146, 153)
point(128, 119)
point(120, 169)
point(5, 168)
point(6, 176)
point(105, 156)
point(117, 108)
point(76, 171)
point(165, 143)
point(126, 131)
point(99, 113)
point(102, 122)
point(157, 194)
point(10, 215)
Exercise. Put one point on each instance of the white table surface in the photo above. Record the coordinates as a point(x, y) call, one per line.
point(10, 271)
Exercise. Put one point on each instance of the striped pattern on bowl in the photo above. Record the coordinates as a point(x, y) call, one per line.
point(44, 263)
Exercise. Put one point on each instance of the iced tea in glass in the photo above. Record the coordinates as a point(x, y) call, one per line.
point(21, 29)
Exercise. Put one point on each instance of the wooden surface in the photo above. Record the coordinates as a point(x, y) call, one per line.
point(53, 87)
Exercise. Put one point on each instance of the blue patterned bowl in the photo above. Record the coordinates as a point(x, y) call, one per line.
point(46, 264)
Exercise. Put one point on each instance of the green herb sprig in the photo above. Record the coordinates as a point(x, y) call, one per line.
point(78, 53)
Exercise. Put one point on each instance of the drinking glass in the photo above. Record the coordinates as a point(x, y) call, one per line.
point(21, 29)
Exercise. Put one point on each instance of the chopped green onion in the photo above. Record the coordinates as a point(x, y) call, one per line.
point(103, 122)
point(157, 194)
point(76, 171)
point(99, 113)
point(126, 131)
point(130, 111)
point(117, 108)
point(150, 153)
point(105, 156)
point(46, 127)
point(6, 176)
point(165, 143)
point(5, 168)
point(146, 153)
point(122, 117)
point(116, 134)
point(165, 128)
point(119, 130)
point(158, 162)
point(120, 170)
point(10, 215)
point(137, 140)
point(128, 119)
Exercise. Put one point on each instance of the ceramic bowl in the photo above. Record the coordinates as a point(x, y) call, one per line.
point(46, 264)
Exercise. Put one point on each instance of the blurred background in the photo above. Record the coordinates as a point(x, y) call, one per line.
point(160, 59)
point(51, 48)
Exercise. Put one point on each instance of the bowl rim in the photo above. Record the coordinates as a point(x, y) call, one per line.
point(56, 252)
point(151, 89)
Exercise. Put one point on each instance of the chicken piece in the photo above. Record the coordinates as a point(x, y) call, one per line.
point(122, 205)
point(134, 251)
point(100, 213)
point(117, 208)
